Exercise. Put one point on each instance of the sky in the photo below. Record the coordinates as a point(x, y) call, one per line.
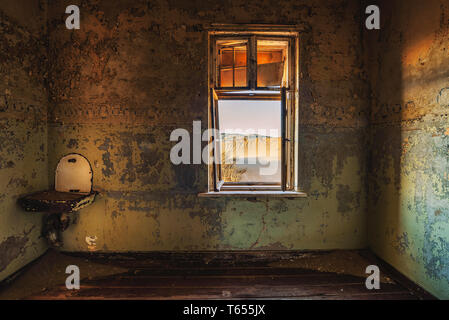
point(243, 114)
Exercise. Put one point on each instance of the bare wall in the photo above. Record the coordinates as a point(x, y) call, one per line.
point(136, 70)
point(409, 181)
point(23, 133)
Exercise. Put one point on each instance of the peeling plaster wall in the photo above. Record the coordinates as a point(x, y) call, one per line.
point(136, 70)
point(409, 180)
point(23, 129)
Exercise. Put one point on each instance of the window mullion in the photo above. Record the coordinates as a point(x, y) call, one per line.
point(233, 66)
point(283, 139)
point(252, 63)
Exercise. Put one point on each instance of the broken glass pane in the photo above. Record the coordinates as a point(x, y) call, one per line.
point(272, 63)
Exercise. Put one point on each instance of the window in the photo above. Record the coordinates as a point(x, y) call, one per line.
point(253, 110)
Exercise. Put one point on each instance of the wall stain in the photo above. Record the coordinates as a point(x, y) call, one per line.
point(11, 249)
point(23, 123)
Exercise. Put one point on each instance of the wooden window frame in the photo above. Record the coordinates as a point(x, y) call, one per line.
point(287, 95)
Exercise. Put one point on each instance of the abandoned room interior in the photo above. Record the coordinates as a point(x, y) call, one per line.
point(131, 134)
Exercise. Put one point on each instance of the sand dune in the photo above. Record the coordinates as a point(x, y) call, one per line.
point(251, 158)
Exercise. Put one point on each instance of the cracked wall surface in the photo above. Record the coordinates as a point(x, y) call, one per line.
point(136, 70)
point(409, 167)
point(23, 129)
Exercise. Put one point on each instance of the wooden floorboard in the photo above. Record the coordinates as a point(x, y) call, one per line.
point(249, 292)
point(310, 285)
point(235, 281)
point(211, 276)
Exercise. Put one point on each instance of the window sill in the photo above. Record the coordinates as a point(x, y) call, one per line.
point(252, 194)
